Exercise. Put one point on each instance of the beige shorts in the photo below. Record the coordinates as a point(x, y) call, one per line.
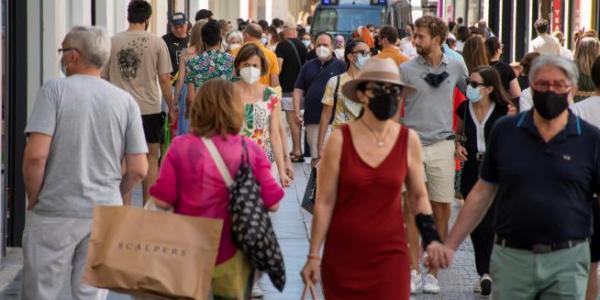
point(440, 169)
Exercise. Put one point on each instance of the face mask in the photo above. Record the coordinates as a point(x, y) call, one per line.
point(474, 94)
point(323, 52)
point(306, 43)
point(250, 74)
point(234, 46)
point(383, 106)
point(550, 104)
point(147, 25)
point(436, 79)
point(360, 61)
point(264, 41)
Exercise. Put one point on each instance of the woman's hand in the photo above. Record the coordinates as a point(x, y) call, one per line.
point(289, 168)
point(311, 271)
point(284, 179)
point(461, 152)
point(438, 256)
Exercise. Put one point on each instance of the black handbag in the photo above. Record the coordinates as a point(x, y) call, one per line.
point(308, 201)
point(252, 228)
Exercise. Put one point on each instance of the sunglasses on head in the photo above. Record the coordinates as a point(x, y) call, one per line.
point(474, 84)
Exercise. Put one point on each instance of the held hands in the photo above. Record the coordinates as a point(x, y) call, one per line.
point(438, 256)
point(461, 152)
point(173, 116)
point(299, 117)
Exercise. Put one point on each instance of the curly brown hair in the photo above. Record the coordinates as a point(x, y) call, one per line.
point(437, 27)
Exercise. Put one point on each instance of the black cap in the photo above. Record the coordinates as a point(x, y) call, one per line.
point(178, 19)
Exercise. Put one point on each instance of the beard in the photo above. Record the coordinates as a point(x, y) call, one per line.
point(423, 51)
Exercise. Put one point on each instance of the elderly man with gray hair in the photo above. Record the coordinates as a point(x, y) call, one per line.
point(542, 169)
point(81, 129)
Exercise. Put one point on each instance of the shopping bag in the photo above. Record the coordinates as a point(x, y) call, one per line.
point(308, 201)
point(145, 253)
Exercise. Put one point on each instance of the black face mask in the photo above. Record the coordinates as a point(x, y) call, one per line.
point(384, 106)
point(436, 79)
point(550, 104)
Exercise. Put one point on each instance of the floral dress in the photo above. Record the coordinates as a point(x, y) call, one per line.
point(258, 121)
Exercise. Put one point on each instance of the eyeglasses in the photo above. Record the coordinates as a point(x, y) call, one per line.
point(63, 50)
point(558, 86)
point(474, 83)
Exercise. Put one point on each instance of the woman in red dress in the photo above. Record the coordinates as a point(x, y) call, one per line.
point(358, 209)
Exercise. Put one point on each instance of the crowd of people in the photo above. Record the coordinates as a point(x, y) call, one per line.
point(398, 123)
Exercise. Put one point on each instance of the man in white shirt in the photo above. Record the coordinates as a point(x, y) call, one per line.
point(544, 43)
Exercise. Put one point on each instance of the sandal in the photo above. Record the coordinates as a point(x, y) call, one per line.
point(296, 158)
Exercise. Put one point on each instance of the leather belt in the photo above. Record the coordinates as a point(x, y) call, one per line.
point(539, 248)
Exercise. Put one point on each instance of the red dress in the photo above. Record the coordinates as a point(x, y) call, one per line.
point(365, 254)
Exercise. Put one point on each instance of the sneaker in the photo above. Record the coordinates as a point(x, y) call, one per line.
point(486, 285)
point(431, 285)
point(477, 286)
point(415, 281)
point(257, 292)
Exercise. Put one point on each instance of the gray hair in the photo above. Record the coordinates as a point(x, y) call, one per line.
point(548, 60)
point(237, 34)
point(92, 43)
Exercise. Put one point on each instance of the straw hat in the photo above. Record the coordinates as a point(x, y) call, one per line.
point(377, 70)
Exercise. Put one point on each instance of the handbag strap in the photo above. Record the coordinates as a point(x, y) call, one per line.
point(295, 52)
point(218, 159)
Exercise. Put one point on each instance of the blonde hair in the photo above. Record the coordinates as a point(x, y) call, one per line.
point(196, 37)
point(586, 53)
point(217, 109)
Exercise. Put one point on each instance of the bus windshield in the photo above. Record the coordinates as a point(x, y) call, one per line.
point(345, 19)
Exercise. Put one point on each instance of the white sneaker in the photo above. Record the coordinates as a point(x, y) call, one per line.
point(486, 285)
point(415, 281)
point(257, 292)
point(431, 285)
point(477, 286)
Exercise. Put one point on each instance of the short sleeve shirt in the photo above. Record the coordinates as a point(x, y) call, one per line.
point(208, 65)
point(292, 63)
point(544, 193)
point(345, 110)
point(190, 181)
point(137, 58)
point(393, 53)
point(429, 110)
point(312, 80)
point(176, 46)
point(93, 124)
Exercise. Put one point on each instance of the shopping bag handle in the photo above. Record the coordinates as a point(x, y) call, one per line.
point(309, 288)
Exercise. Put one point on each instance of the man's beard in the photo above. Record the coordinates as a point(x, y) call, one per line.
point(423, 51)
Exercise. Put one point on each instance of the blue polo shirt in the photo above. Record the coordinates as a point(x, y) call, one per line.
point(544, 189)
point(312, 80)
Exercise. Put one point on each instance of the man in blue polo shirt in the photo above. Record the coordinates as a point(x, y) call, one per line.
point(310, 84)
point(543, 166)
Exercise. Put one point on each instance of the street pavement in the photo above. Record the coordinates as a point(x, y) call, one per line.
point(292, 226)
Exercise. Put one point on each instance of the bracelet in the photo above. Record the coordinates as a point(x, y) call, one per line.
point(313, 257)
point(427, 229)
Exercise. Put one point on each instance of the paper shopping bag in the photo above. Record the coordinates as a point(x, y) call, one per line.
point(145, 253)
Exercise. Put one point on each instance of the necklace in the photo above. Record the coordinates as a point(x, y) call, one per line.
point(380, 141)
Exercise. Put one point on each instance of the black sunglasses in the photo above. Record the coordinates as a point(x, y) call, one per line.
point(474, 83)
point(379, 89)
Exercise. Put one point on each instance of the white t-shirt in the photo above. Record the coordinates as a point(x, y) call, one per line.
point(588, 110)
point(545, 44)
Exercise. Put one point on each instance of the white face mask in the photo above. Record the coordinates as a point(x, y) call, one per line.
point(323, 52)
point(250, 74)
point(234, 46)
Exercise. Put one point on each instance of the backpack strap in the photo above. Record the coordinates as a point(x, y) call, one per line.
point(214, 153)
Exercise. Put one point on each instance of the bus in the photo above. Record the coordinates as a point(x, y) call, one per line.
point(344, 16)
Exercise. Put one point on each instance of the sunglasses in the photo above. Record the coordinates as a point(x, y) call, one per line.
point(379, 89)
point(474, 84)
